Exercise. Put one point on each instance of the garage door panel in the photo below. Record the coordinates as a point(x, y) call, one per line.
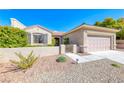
point(98, 43)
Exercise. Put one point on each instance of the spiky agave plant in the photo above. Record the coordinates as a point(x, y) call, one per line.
point(25, 62)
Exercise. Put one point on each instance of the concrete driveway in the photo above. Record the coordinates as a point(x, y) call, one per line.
point(117, 56)
point(82, 59)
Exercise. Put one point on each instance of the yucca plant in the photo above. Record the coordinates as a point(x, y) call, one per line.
point(25, 62)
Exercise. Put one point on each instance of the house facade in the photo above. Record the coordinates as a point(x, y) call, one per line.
point(87, 38)
point(92, 38)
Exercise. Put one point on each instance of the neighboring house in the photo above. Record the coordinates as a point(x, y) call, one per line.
point(37, 35)
point(88, 38)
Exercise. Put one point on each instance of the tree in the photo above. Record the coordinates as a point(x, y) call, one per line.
point(98, 23)
point(12, 37)
point(108, 22)
point(111, 23)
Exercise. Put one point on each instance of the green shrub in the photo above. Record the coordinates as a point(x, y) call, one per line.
point(12, 37)
point(66, 41)
point(25, 62)
point(61, 59)
point(34, 45)
point(116, 65)
point(53, 41)
point(50, 45)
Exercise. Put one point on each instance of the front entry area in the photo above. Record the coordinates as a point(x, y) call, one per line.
point(97, 43)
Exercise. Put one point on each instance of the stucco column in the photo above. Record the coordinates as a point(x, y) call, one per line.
point(114, 41)
point(111, 42)
point(60, 40)
point(62, 49)
point(31, 38)
point(74, 48)
point(84, 47)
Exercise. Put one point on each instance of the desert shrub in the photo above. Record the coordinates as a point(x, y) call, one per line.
point(34, 45)
point(61, 59)
point(12, 37)
point(50, 45)
point(66, 41)
point(25, 62)
point(116, 65)
point(53, 41)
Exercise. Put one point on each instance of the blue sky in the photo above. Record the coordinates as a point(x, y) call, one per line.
point(59, 20)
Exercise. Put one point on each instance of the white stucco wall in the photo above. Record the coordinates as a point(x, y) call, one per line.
point(75, 37)
point(7, 54)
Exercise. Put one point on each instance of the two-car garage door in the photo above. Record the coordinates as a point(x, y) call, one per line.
point(98, 43)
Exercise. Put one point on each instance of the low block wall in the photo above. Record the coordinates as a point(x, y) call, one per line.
point(7, 54)
point(120, 44)
point(71, 48)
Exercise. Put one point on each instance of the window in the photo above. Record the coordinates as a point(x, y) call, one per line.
point(40, 38)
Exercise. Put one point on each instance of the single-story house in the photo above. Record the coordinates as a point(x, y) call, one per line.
point(92, 38)
point(88, 38)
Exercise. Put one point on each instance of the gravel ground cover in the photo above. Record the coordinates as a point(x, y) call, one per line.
point(10, 74)
point(47, 70)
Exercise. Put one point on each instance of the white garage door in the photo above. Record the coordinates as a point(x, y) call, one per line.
point(98, 43)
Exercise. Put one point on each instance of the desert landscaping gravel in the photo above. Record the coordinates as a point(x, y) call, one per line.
point(91, 72)
point(47, 70)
